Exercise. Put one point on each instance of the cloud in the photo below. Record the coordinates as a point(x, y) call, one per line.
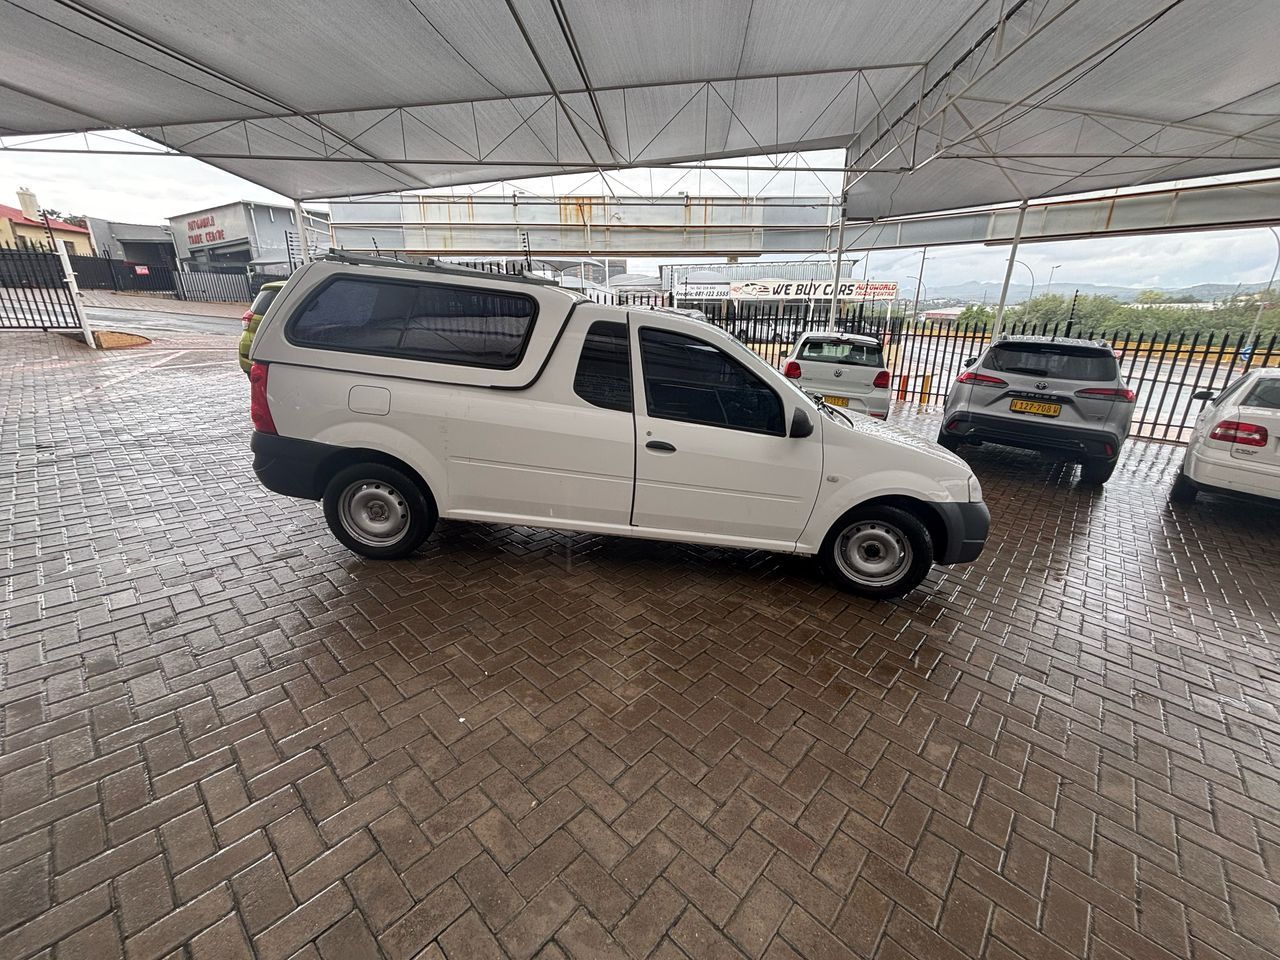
point(151, 189)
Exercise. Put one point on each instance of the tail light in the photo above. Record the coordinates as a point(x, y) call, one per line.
point(1241, 432)
point(246, 318)
point(881, 381)
point(259, 410)
point(1109, 393)
point(970, 377)
point(791, 370)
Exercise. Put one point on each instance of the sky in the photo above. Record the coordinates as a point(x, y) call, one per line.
point(151, 189)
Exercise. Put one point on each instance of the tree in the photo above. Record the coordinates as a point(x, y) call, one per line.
point(72, 218)
point(975, 313)
point(1151, 296)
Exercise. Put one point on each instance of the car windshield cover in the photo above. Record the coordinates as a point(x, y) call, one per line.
point(1265, 394)
point(1057, 360)
point(834, 350)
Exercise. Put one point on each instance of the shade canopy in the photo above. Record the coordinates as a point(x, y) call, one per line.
point(939, 103)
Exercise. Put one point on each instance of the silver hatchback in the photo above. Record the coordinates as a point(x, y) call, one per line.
point(1056, 395)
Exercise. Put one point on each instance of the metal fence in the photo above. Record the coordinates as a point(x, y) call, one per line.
point(213, 287)
point(1164, 370)
point(33, 292)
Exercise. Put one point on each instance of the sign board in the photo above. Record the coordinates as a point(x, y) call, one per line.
point(141, 270)
point(788, 290)
point(202, 230)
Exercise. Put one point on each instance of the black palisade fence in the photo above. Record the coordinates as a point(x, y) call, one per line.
point(924, 360)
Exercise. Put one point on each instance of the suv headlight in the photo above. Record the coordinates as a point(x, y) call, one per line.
point(975, 490)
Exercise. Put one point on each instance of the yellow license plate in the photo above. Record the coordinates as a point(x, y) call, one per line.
point(837, 401)
point(1035, 407)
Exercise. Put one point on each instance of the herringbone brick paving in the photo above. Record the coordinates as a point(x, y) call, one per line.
point(225, 736)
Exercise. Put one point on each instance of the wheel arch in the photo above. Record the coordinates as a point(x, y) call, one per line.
point(350, 456)
point(922, 510)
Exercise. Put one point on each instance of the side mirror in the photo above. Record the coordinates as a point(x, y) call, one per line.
point(801, 425)
point(1203, 395)
point(970, 361)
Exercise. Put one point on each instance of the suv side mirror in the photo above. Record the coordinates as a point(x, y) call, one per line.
point(970, 361)
point(1203, 395)
point(801, 425)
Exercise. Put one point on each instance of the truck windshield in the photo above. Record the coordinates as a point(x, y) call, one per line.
point(1059, 360)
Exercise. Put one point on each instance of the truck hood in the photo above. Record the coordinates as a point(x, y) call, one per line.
point(837, 431)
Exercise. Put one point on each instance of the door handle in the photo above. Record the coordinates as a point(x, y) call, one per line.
point(660, 445)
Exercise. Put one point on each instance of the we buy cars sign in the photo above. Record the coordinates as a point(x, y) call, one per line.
point(811, 290)
point(788, 290)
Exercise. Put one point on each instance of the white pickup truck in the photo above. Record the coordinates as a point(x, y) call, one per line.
point(398, 394)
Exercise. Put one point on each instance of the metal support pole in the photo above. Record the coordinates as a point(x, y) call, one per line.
point(1008, 270)
point(304, 248)
point(69, 277)
point(835, 281)
point(915, 308)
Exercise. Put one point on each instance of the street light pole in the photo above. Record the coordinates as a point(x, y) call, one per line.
point(1032, 294)
point(1049, 288)
point(1257, 317)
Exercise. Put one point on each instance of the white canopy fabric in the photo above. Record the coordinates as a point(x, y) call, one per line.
point(939, 103)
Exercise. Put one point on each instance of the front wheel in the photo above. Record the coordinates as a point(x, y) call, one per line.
point(878, 552)
point(377, 511)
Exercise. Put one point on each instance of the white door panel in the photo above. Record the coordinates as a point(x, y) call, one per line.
point(749, 485)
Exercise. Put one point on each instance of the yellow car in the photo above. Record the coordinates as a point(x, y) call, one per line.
point(253, 316)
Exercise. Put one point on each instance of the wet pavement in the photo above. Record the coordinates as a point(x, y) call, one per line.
point(224, 735)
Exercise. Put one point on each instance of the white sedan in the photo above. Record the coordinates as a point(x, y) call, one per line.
point(1235, 447)
point(845, 369)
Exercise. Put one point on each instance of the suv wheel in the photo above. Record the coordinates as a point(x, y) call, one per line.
point(377, 511)
point(1097, 472)
point(878, 552)
point(1183, 490)
point(948, 442)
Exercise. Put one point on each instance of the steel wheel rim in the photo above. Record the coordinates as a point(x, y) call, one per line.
point(873, 553)
point(373, 513)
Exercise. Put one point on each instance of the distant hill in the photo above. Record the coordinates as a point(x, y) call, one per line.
point(973, 290)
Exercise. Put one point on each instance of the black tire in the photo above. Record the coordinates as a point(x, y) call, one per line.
point(1096, 472)
point(948, 442)
point(367, 498)
point(1183, 490)
point(880, 529)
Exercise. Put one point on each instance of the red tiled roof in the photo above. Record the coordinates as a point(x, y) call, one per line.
point(17, 216)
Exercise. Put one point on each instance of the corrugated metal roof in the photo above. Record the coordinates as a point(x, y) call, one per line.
point(941, 103)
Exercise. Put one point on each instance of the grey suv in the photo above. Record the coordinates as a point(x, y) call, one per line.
point(1050, 394)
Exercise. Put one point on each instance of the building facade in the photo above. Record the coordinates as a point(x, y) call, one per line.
point(242, 233)
point(24, 227)
point(132, 242)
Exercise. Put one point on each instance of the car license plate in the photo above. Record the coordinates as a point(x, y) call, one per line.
point(1035, 408)
point(837, 401)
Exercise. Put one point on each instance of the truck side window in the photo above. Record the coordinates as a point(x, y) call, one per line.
point(688, 379)
point(466, 326)
point(604, 368)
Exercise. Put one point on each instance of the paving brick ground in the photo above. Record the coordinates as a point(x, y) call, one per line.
point(223, 735)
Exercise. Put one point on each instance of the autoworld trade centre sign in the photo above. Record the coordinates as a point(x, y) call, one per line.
point(788, 290)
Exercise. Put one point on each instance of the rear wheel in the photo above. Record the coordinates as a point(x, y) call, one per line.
point(878, 552)
point(949, 442)
point(1183, 490)
point(378, 511)
point(1096, 472)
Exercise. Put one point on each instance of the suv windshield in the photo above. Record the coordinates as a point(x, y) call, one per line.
point(1059, 360)
point(835, 350)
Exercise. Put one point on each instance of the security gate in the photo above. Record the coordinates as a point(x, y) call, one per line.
point(33, 292)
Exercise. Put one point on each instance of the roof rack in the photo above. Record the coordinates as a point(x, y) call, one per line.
point(433, 265)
